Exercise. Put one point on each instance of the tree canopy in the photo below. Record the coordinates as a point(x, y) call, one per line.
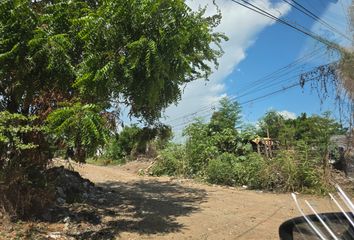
point(138, 53)
point(271, 124)
point(227, 116)
point(66, 64)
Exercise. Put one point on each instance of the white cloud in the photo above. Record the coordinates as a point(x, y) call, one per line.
point(287, 115)
point(242, 27)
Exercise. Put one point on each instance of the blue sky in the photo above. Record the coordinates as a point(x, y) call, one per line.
point(276, 46)
point(257, 47)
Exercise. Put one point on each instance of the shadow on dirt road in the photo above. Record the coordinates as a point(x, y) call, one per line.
point(143, 207)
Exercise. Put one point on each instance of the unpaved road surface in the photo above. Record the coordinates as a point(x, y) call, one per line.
point(143, 207)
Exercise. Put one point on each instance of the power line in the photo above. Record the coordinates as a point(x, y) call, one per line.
point(289, 68)
point(252, 100)
point(299, 28)
point(257, 88)
point(258, 10)
point(312, 15)
point(257, 98)
point(265, 84)
point(270, 84)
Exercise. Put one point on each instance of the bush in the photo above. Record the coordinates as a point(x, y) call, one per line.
point(113, 150)
point(199, 148)
point(292, 171)
point(134, 141)
point(280, 173)
point(120, 147)
point(218, 152)
point(220, 170)
point(171, 161)
point(229, 169)
point(248, 170)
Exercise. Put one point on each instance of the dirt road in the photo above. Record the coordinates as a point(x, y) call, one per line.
point(140, 207)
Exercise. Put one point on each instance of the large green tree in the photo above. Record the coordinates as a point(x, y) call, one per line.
point(206, 141)
point(136, 52)
point(109, 53)
point(73, 60)
point(227, 116)
point(271, 124)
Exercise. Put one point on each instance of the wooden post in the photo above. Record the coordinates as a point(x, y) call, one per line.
point(269, 144)
point(265, 148)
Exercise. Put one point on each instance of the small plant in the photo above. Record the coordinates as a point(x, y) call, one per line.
point(293, 171)
point(171, 161)
point(228, 169)
point(220, 170)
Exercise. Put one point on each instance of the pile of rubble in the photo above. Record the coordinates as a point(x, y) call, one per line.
point(69, 186)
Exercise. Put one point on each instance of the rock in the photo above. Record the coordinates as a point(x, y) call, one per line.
point(47, 216)
point(67, 220)
point(61, 200)
point(61, 193)
point(86, 184)
point(101, 200)
point(66, 227)
point(85, 196)
point(92, 196)
point(54, 235)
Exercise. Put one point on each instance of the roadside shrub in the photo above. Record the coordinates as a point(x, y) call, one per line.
point(220, 151)
point(293, 171)
point(228, 169)
point(113, 150)
point(126, 141)
point(199, 148)
point(134, 141)
point(290, 170)
point(247, 170)
point(281, 172)
point(171, 161)
point(221, 170)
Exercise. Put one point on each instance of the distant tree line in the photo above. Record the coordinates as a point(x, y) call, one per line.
point(220, 151)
